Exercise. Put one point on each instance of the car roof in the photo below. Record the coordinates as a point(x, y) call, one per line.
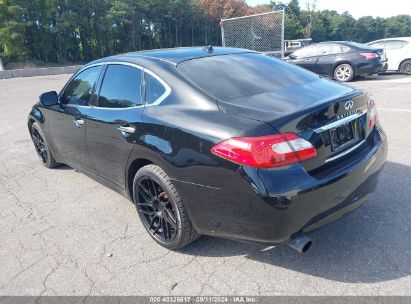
point(390, 39)
point(326, 42)
point(173, 56)
point(352, 43)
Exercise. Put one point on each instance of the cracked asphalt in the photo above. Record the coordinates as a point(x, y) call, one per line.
point(62, 233)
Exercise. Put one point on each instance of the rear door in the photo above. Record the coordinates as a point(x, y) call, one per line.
point(113, 124)
point(329, 54)
point(306, 57)
point(66, 121)
point(396, 52)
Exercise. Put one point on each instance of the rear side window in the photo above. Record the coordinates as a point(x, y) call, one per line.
point(154, 89)
point(394, 44)
point(229, 77)
point(121, 87)
point(331, 49)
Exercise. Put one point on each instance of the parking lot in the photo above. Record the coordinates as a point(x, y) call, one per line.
point(61, 233)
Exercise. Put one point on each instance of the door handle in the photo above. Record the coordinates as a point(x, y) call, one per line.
point(78, 122)
point(126, 130)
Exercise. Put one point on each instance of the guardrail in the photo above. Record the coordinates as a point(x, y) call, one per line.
point(39, 72)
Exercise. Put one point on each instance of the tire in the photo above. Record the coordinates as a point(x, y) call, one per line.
point(344, 72)
point(42, 147)
point(405, 67)
point(161, 209)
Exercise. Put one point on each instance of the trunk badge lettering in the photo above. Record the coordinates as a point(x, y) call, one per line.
point(348, 114)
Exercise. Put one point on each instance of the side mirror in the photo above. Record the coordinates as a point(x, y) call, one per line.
point(49, 99)
point(291, 56)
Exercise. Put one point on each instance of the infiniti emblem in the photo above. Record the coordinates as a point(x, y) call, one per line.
point(348, 105)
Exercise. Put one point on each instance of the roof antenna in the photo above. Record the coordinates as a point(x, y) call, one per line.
point(209, 48)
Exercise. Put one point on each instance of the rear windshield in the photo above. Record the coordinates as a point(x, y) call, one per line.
point(229, 77)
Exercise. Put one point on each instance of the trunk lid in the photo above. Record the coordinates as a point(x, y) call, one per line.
point(329, 115)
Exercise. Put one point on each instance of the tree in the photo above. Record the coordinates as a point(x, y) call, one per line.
point(12, 31)
point(82, 30)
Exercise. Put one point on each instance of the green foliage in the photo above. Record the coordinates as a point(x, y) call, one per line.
point(82, 30)
point(329, 25)
point(12, 31)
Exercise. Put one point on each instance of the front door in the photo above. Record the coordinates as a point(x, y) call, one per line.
point(66, 121)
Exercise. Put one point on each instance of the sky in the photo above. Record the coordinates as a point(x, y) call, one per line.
point(357, 8)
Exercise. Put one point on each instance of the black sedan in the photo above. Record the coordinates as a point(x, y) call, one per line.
point(216, 141)
point(341, 60)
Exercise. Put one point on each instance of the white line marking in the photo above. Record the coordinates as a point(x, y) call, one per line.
point(404, 80)
point(399, 80)
point(395, 110)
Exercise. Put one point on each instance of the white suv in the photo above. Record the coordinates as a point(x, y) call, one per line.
point(398, 51)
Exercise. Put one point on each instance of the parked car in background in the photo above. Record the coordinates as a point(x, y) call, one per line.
point(398, 51)
point(290, 46)
point(216, 141)
point(342, 60)
point(1, 65)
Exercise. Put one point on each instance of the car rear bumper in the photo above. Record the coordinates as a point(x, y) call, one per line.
point(271, 206)
point(372, 67)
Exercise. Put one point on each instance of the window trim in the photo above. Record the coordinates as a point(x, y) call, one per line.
point(96, 84)
point(161, 97)
point(167, 90)
point(104, 72)
point(143, 69)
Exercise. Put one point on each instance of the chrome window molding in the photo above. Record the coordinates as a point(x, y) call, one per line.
point(163, 83)
point(144, 70)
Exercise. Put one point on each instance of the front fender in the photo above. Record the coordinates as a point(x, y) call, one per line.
point(35, 115)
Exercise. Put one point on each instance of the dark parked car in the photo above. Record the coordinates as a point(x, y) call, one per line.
point(341, 60)
point(222, 142)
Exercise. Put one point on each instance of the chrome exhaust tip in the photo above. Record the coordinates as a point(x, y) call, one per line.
point(301, 243)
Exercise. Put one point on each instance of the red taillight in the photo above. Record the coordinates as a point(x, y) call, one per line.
point(266, 151)
point(369, 55)
point(373, 113)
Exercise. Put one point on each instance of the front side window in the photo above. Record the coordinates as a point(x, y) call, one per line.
point(121, 87)
point(154, 89)
point(80, 89)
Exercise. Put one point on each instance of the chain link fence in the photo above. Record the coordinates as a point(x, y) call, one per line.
point(260, 32)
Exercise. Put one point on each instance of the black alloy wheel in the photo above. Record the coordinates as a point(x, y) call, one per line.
point(159, 215)
point(42, 148)
point(161, 208)
point(40, 145)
